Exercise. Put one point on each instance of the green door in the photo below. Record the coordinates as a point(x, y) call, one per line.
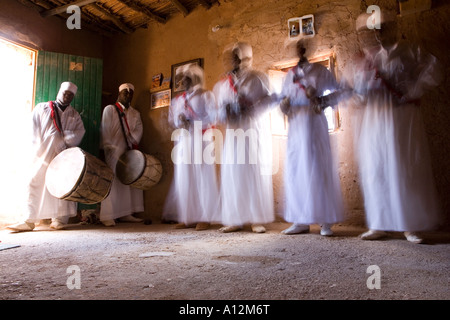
point(54, 68)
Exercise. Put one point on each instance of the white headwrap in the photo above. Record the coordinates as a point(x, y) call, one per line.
point(66, 86)
point(245, 52)
point(127, 86)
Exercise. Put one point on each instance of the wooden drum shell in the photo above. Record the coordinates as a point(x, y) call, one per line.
point(76, 175)
point(138, 170)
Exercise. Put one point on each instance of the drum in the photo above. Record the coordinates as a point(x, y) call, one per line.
point(76, 175)
point(138, 169)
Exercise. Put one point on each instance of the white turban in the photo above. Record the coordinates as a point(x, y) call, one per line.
point(127, 86)
point(194, 72)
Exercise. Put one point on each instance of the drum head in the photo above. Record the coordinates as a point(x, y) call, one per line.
point(65, 171)
point(130, 167)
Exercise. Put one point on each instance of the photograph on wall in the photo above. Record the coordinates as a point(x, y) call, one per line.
point(177, 86)
point(156, 80)
point(294, 28)
point(160, 99)
point(308, 25)
point(301, 27)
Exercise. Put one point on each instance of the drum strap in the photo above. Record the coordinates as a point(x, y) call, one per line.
point(121, 115)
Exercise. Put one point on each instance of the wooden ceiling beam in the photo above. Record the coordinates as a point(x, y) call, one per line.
point(61, 9)
point(140, 8)
point(180, 7)
point(114, 19)
point(31, 5)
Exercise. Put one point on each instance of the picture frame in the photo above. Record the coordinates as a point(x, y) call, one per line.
point(156, 80)
point(308, 25)
point(160, 99)
point(177, 87)
point(301, 27)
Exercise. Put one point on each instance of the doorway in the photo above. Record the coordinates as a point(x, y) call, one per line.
point(17, 70)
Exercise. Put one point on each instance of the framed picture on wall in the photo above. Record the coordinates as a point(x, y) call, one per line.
point(177, 86)
point(301, 27)
point(160, 99)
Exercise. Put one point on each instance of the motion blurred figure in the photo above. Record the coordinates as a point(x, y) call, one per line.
point(243, 97)
point(312, 186)
point(194, 196)
point(391, 142)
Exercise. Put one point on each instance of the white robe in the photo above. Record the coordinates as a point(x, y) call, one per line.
point(394, 161)
point(246, 168)
point(122, 200)
point(312, 186)
point(194, 194)
point(47, 143)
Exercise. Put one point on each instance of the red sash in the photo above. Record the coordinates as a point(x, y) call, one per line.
point(194, 115)
point(54, 115)
point(297, 79)
point(231, 82)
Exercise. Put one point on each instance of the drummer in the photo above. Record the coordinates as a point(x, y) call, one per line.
point(121, 130)
point(55, 126)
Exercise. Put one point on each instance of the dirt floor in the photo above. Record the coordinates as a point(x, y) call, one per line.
point(158, 262)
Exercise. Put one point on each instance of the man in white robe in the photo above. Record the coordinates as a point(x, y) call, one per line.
point(194, 196)
point(391, 142)
point(243, 97)
point(312, 186)
point(121, 130)
point(56, 126)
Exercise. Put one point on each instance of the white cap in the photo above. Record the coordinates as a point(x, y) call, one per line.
point(68, 86)
point(127, 86)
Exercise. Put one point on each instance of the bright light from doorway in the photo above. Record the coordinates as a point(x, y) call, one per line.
point(17, 67)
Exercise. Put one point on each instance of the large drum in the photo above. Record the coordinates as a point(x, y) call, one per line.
point(76, 175)
point(138, 169)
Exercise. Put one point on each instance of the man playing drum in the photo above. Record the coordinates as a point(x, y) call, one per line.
point(121, 130)
point(56, 126)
